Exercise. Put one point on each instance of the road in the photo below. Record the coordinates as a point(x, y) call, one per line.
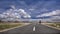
point(33, 28)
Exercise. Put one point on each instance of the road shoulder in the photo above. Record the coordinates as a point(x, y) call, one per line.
point(45, 24)
point(23, 24)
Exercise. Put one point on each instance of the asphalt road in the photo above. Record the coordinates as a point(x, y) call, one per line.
point(33, 28)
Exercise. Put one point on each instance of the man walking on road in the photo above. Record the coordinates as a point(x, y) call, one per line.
point(40, 22)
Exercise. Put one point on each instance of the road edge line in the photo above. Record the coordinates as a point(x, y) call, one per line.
point(13, 28)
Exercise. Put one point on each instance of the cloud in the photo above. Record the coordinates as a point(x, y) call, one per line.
point(39, 7)
point(13, 7)
point(2, 16)
point(24, 14)
point(52, 19)
point(44, 9)
point(13, 14)
point(31, 9)
point(54, 16)
point(22, 11)
point(56, 12)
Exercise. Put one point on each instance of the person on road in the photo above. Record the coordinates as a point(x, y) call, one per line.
point(40, 22)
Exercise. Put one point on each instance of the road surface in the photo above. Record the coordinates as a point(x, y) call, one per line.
point(33, 28)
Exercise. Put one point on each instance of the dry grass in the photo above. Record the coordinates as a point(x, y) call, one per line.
point(8, 25)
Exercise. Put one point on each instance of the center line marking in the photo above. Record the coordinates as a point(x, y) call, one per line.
point(34, 28)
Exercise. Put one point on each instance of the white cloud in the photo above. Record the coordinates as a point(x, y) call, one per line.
point(2, 16)
point(31, 9)
point(13, 14)
point(27, 16)
point(22, 11)
point(54, 16)
point(10, 14)
point(53, 19)
point(57, 12)
point(12, 6)
point(24, 14)
point(44, 9)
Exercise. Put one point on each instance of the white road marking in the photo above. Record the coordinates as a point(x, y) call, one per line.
point(34, 28)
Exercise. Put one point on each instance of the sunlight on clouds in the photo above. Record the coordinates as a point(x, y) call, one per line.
point(22, 11)
point(17, 17)
point(54, 16)
point(13, 14)
point(53, 19)
point(24, 14)
point(56, 12)
point(27, 16)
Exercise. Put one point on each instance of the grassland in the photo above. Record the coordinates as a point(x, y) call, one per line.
point(8, 25)
point(57, 25)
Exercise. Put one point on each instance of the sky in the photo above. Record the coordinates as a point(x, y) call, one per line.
point(30, 9)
